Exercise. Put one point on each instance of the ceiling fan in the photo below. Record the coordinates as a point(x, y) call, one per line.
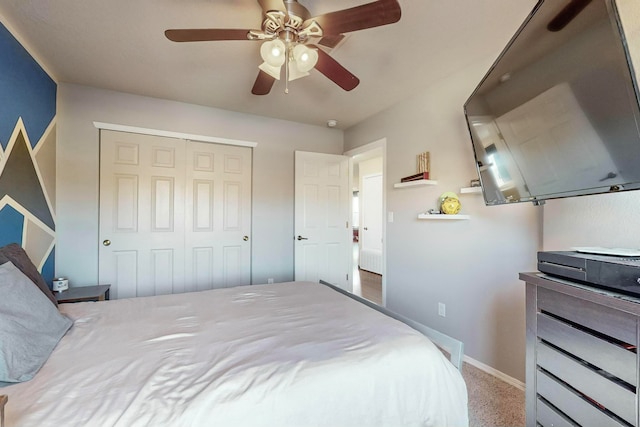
point(291, 37)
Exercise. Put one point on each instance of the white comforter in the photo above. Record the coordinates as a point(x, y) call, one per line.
point(292, 354)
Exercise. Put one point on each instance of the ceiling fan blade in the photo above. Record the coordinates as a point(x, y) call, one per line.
point(381, 12)
point(211, 34)
point(335, 72)
point(269, 5)
point(331, 41)
point(263, 84)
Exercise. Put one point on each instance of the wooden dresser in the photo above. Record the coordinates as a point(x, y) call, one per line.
point(582, 365)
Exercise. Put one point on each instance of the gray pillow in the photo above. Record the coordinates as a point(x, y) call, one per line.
point(30, 326)
point(13, 252)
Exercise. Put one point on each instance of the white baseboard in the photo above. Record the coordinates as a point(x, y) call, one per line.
point(500, 375)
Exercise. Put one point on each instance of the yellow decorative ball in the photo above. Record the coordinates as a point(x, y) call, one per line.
point(447, 194)
point(450, 205)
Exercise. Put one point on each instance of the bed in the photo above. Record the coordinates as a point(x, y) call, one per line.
point(289, 354)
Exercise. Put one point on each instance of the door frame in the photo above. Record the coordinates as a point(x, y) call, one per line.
point(172, 134)
point(380, 144)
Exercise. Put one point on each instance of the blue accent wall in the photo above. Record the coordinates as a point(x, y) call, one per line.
point(48, 269)
point(11, 226)
point(27, 115)
point(26, 91)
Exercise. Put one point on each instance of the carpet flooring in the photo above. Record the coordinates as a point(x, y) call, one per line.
point(492, 402)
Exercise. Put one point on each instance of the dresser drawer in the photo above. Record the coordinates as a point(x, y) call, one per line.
point(549, 417)
point(571, 404)
point(613, 396)
point(608, 356)
point(608, 321)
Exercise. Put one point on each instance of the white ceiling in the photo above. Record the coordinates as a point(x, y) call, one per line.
point(120, 45)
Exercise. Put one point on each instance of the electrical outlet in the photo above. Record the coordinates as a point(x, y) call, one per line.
point(270, 280)
point(442, 309)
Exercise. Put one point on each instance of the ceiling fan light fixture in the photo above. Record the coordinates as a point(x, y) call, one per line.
point(295, 73)
point(273, 52)
point(305, 58)
point(271, 70)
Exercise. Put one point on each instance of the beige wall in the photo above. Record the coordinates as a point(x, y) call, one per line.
point(77, 171)
point(471, 266)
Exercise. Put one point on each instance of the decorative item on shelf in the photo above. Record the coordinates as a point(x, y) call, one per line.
point(449, 203)
point(416, 177)
point(475, 183)
point(424, 163)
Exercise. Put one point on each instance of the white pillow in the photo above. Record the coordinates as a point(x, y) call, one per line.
point(30, 326)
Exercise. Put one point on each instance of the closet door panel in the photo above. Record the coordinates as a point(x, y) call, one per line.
point(218, 214)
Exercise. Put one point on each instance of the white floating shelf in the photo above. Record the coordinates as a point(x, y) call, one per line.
point(415, 183)
point(442, 216)
point(469, 190)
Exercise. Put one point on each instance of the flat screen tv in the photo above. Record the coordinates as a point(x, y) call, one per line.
point(557, 114)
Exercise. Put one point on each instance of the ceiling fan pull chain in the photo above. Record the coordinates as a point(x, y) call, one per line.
point(287, 56)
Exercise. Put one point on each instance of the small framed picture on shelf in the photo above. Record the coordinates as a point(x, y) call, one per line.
point(474, 183)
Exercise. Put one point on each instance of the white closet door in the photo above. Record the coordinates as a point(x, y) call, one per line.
point(218, 216)
point(171, 217)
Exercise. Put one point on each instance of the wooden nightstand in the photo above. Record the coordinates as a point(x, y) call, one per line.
point(84, 293)
point(3, 401)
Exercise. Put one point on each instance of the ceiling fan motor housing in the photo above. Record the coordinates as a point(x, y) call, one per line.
point(288, 23)
point(297, 13)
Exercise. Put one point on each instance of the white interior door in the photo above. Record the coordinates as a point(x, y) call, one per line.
point(173, 215)
point(371, 224)
point(322, 218)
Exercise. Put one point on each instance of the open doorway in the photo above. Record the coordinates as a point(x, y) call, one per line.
point(368, 207)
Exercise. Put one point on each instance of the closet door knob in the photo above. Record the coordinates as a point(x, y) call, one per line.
point(106, 242)
point(245, 238)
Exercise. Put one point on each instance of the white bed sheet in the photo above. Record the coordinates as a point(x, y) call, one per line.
point(291, 354)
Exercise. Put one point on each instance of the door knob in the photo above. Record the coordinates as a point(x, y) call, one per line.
point(302, 238)
point(106, 242)
point(365, 229)
point(245, 238)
